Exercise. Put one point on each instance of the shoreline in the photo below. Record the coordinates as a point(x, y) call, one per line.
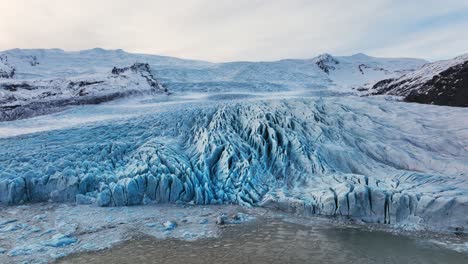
point(43, 233)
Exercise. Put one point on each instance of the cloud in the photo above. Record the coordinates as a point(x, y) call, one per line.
point(226, 30)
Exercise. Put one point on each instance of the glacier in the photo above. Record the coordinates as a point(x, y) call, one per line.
point(308, 153)
point(101, 146)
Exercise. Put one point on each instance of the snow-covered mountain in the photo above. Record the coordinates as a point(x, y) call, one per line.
point(363, 70)
point(22, 98)
point(290, 74)
point(32, 81)
point(441, 83)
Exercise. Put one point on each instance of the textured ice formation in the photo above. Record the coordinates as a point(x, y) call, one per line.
point(360, 158)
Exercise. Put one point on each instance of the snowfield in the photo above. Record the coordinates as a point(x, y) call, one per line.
point(323, 69)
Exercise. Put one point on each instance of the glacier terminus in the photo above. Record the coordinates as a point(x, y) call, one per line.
point(331, 137)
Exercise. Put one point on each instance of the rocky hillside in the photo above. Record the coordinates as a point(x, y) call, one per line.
point(440, 83)
point(23, 98)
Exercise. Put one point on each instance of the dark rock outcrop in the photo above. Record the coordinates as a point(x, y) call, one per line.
point(448, 88)
point(439, 83)
point(144, 70)
point(13, 87)
point(326, 62)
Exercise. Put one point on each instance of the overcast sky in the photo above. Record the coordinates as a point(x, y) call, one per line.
point(227, 30)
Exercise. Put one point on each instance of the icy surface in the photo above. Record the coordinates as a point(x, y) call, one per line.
point(96, 228)
point(366, 159)
point(40, 233)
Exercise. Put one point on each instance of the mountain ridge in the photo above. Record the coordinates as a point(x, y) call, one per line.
point(289, 73)
point(48, 77)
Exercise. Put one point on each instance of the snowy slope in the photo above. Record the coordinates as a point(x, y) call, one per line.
point(362, 158)
point(33, 79)
point(442, 82)
point(55, 63)
point(32, 97)
point(363, 70)
point(173, 72)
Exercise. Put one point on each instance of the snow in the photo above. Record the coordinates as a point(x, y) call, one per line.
point(414, 80)
point(199, 75)
point(46, 81)
point(429, 70)
point(26, 98)
point(361, 70)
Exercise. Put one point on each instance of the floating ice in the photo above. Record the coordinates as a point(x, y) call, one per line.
point(60, 240)
point(169, 225)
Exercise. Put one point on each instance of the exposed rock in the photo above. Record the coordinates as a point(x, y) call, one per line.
point(23, 99)
point(440, 83)
point(326, 62)
point(221, 220)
